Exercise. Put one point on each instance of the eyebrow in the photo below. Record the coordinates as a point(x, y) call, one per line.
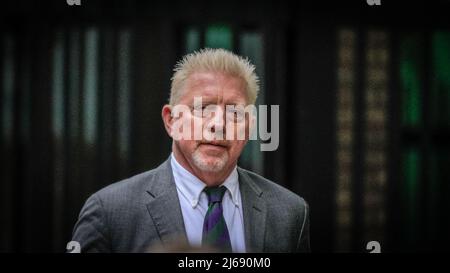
point(207, 99)
point(233, 103)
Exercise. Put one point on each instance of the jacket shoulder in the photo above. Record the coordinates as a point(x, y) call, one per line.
point(128, 192)
point(274, 191)
point(131, 184)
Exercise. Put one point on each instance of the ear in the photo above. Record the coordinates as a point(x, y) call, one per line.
point(167, 118)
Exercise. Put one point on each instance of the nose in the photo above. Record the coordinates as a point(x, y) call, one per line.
point(216, 124)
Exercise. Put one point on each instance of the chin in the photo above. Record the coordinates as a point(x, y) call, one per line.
point(209, 163)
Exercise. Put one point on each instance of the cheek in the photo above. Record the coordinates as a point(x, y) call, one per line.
point(187, 128)
point(242, 129)
point(237, 147)
point(187, 145)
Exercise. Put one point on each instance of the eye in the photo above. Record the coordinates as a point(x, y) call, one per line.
point(236, 115)
point(239, 115)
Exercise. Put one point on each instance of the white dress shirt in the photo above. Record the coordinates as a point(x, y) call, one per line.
point(194, 204)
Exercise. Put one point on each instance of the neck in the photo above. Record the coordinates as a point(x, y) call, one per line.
point(211, 179)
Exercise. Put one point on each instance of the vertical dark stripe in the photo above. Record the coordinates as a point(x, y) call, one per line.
point(421, 242)
point(310, 123)
point(107, 110)
point(275, 56)
point(9, 233)
point(74, 194)
point(41, 192)
point(21, 191)
point(5, 209)
point(8, 88)
point(393, 221)
point(25, 146)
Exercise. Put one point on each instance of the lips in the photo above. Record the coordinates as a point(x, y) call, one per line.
point(222, 144)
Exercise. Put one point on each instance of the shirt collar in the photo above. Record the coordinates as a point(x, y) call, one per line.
point(232, 184)
point(188, 184)
point(192, 187)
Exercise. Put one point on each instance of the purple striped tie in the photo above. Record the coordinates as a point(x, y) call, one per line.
point(215, 231)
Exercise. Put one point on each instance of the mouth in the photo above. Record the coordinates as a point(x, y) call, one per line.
point(215, 144)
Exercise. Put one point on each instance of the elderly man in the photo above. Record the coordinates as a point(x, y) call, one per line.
point(199, 196)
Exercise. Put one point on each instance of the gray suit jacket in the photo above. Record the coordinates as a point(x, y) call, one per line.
point(144, 210)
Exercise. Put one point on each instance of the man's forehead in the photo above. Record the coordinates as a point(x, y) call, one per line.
point(205, 78)
point(213, 84)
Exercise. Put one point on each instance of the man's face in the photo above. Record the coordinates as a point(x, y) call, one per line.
point(214, 151)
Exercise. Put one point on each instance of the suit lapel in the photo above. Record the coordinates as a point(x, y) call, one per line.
point(164, 208)
point(254, 209)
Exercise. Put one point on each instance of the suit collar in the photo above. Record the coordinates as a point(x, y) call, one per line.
point(254, 209)
point(164, 207)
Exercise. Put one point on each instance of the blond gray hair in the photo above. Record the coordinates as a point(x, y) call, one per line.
point(214, 60)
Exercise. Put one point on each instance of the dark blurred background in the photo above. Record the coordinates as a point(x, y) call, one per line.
point(364, 95)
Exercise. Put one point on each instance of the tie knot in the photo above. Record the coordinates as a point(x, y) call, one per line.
point(215, 194)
